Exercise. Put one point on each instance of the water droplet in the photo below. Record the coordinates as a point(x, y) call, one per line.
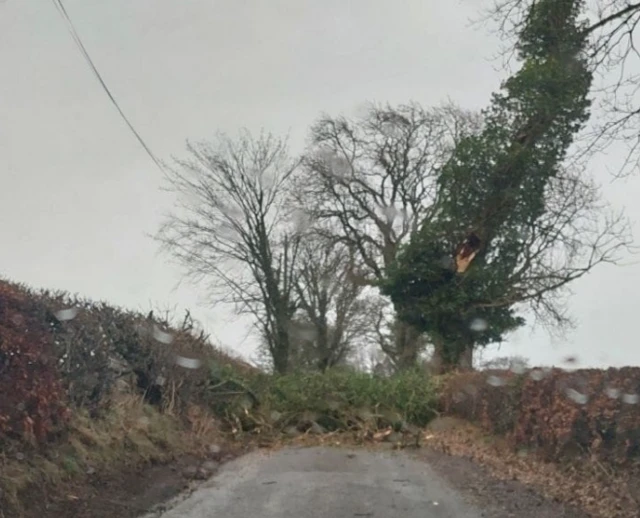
point(478, 325)
point(576, 396)
point(496, 381)
point(536, 375)
point(325, 282)
point(303, 331)
point(20, 456)
point(231, 210)
point(302, 221)
point(188, 363)
point(162, 336)
point(472, 390)
point(333, 166)
point(67, 314)
point(390, 130)
point(227, 230)
point(268, 180)
point(630, 399)
point(612, 392)
point(391, 213)
point(140, 328)
point(160, 380)
point(447, 262)
point(308, 334)
point(459, 397)
point(539, 374)
point(518, 368)
point(17, 320)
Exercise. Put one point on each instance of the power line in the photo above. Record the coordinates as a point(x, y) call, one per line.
point(76, 37)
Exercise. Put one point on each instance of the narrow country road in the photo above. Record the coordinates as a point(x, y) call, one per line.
point(324, 483)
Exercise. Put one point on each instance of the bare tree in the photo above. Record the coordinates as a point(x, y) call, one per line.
point(612, 26)
point(372, 360)
point(372, 180)
point(335, 308)
point(230, 230)
point(577, 232)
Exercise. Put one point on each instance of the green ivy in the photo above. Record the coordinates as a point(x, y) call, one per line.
point(495, 184)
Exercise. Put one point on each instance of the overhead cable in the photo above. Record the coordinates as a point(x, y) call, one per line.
point(76, 37)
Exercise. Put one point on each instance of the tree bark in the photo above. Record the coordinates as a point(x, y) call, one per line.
point(442, 361)
point(281, 352)
point(437, 361)
point(465, 360)
point(407, 345)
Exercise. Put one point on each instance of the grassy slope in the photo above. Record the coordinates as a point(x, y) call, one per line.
point(104, 396)
point(90, 404)
point(91, 418)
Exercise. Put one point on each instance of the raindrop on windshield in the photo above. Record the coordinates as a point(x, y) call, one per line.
point(447, 262)
point(302, 221)
point(162, 336)
point(518, 367)
point(539, 374)
point(496, 381)
point(478, 325)
point(67, 314)
point(188, 363)
point(303, 331)
point(18, 320)
point(267, 179)
point(391, 213)
point(576, 396)
point(612, 392)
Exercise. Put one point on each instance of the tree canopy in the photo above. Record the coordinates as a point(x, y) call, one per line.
point(610, 28)
point(506, 204)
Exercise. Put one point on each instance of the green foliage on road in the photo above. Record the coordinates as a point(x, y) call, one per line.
point(410, 395)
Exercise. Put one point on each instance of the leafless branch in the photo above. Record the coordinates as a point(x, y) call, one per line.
point(230, 229)
point(615, 58)
point(372, 180)
point(577, 232)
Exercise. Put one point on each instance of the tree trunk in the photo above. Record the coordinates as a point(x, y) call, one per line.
point(407, 345)
point(322, 348)
point(281, 352)
point(324, 362)
point(444, 361)
point(437, 363)
point(280, 361)
point(465, 360)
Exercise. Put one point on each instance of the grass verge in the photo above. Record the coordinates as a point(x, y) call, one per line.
point(129, 435)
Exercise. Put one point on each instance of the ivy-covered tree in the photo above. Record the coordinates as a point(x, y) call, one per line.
point(510, 225)
point(369, 181)
point(612, 31)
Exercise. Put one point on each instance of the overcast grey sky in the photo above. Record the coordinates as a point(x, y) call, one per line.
point(79, 195)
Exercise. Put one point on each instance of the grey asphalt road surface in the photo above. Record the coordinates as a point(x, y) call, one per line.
point(324, 483)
